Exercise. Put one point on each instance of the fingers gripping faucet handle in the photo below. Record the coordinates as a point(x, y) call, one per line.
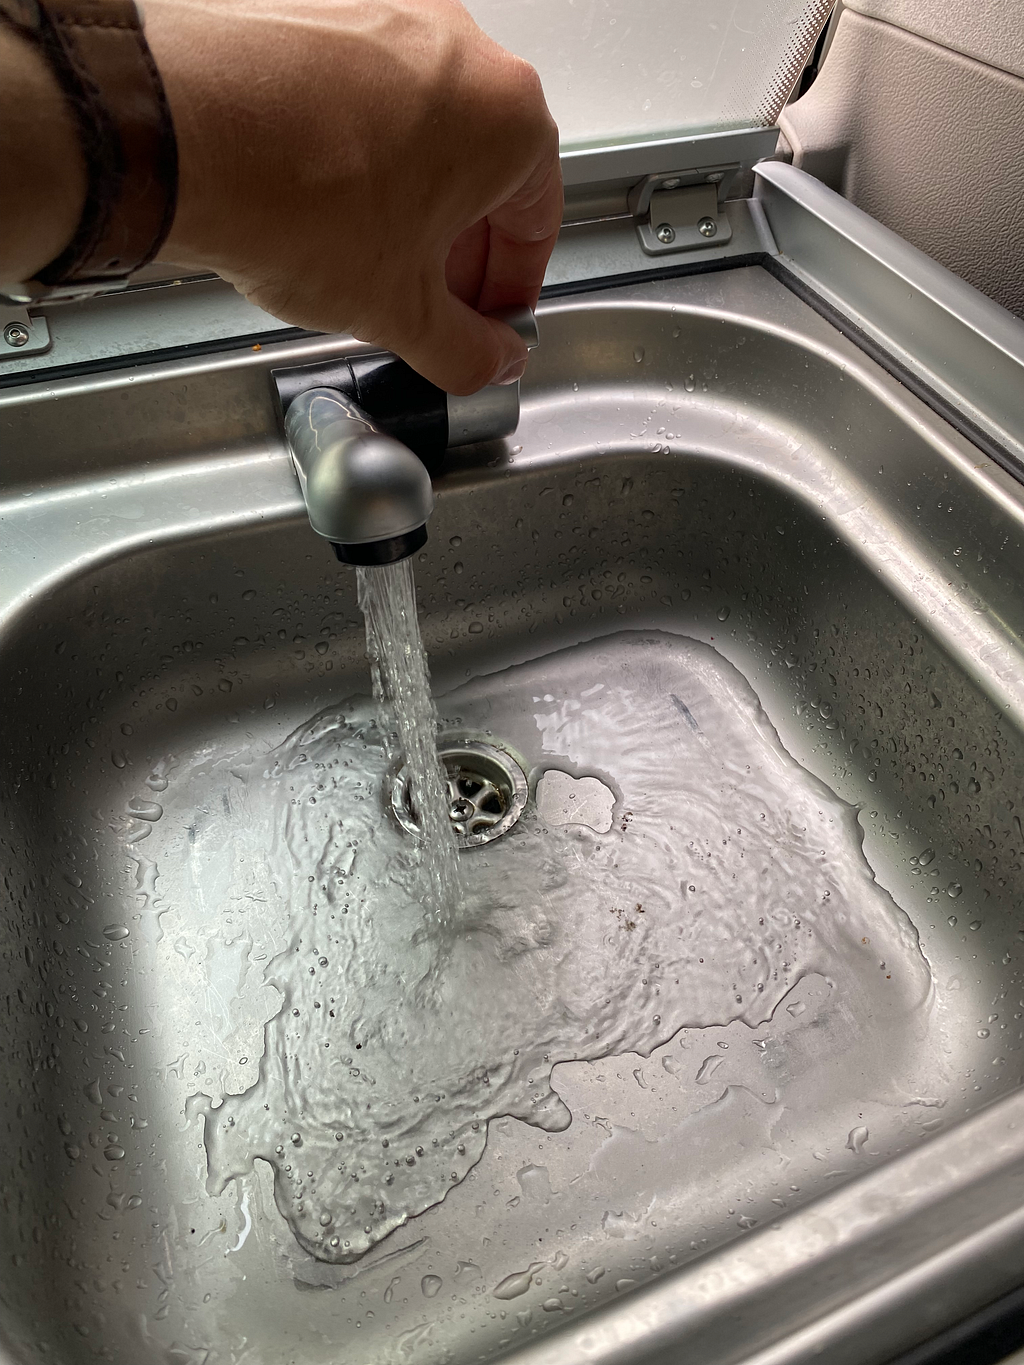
point(493, 413)
point(364, 430)
point(522, 320)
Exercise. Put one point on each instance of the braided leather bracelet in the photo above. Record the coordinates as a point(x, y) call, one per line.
point(100, 58)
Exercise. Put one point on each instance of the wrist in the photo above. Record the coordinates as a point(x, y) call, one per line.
point(42, 167)
point(197, 52)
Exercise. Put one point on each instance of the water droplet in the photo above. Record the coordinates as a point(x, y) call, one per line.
point(475, 628)
point(430, 1285)
point(145, 810)
point(856, 1140)
point(952, 921)
point(517, 1283)
point(723, 613)
point(983, 1033)
point(689, 383)
point(455, 542)
point(708, 1067)
point(638, 354)
point(113, 1152)
point(534, 1182)
point(953, 890)
point(926, 857)
point(594, 1275)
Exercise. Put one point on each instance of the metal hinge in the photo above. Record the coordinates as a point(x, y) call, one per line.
point(673, 188)
point(680, 210)
point(21, 334)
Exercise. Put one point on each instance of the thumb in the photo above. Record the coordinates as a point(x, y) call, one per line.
point(461, 350)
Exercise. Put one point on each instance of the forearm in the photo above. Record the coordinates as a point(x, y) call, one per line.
point(42, 170)
point(336, 154)
point(373, 166)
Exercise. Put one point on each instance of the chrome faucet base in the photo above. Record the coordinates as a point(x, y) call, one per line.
point(360, 486)
point(366, 432)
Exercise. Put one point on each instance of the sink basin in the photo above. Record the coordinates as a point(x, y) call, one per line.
point(728, 1042)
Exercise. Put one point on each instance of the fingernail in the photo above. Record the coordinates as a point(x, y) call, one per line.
point(509, 376)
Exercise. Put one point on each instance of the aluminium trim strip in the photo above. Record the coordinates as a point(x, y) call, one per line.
point(634, 160)
point(961, 344)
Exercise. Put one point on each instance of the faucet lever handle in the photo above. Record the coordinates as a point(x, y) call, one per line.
point(402, 404)
point(522, 320)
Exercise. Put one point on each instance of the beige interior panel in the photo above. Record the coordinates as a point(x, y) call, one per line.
point(991, 31)
point(927, 140)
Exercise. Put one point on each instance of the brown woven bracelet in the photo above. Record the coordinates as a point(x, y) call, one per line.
point(102, 62)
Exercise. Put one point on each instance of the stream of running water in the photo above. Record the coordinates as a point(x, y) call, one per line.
point(408, 721)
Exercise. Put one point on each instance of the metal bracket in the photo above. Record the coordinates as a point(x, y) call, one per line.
point(20, 334)
point(679, 210)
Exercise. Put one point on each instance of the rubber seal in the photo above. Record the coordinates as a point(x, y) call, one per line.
point(388, 551)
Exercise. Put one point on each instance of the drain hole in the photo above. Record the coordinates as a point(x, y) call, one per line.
point(487, 792)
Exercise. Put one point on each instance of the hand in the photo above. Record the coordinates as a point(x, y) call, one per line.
point(373, 166)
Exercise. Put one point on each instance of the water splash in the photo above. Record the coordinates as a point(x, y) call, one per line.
point(408, 719)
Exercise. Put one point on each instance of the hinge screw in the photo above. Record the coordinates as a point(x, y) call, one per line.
point(666, 233)
point(16, 335)
point(707, 227)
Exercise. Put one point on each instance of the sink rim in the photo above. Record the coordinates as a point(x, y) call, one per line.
point(981, 1150)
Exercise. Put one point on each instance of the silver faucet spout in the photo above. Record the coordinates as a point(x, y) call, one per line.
point(365, 492)
point(366, 432)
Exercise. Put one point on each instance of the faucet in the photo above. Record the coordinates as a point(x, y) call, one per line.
point(365, 434)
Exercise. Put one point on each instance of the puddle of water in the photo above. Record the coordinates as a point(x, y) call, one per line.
point(729, 873)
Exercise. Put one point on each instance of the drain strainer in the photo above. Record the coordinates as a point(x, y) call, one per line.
point(487, 792)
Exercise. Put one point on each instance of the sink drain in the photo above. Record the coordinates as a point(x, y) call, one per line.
point(487, 792)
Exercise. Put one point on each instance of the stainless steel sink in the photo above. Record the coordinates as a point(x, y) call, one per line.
point(737, 509)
